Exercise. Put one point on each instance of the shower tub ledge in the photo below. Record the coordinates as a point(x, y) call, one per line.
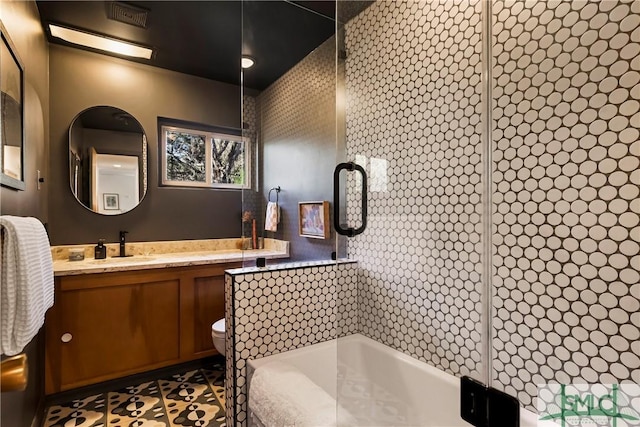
point(380, 386)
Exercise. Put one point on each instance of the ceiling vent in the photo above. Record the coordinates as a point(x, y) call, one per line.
point(128, 14)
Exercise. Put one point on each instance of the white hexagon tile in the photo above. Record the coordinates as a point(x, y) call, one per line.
point(565, 120)
point(279, 309)
point(413, 90)
point(566, 179)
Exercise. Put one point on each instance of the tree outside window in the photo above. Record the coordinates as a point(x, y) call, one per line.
point(204, 159)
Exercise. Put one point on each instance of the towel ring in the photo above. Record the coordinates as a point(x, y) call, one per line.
point(277, 190)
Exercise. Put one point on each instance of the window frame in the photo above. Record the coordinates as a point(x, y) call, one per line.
point(209, 135)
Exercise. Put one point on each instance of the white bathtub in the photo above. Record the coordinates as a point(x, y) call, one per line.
point(380, 386)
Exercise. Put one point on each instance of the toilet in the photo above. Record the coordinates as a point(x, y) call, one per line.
point(217, 335)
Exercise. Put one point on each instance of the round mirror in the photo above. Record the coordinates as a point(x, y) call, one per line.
point(107, 160)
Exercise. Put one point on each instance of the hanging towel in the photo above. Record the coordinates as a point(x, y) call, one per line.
point(273, 217)
point(26, 290)
point(280, 395)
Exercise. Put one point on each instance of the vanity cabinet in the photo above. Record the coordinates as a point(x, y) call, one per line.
point(109, 325)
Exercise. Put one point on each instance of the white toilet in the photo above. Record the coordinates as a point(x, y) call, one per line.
point(217, 335)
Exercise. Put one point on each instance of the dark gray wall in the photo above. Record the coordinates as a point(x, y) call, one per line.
point(33, 51)
point(20, 18)
point(297, 122)
point(82, 79)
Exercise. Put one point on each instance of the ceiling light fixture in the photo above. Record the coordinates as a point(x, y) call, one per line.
point(99, 42)
point(247, 62)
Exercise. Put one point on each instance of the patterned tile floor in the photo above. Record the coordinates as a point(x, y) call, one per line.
point(193, 398)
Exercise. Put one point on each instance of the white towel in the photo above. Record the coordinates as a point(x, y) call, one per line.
point(273, 217)
point(280, 396)
point(26, 290)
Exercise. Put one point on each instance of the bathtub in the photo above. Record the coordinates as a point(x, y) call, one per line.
point(380, 386)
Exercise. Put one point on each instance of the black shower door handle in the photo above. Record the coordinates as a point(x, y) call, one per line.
point(349, 231)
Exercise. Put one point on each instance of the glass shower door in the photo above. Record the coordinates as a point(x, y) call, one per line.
point(410, 89)
point(502, 150)
point(289, 117)
point(289, 113)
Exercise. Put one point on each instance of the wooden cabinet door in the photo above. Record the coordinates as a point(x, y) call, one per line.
point(117, 330)
point(208, 308)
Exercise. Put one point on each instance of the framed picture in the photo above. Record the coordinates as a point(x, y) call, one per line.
point(11, 115)
point(314, 219)
point(111, 201)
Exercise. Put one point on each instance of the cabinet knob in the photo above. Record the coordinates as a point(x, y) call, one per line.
point(66, 337)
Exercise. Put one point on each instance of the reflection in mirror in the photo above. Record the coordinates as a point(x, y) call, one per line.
point(11, 115)
point(107, 160)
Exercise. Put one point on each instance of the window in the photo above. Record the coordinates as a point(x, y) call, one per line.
point(198, 158)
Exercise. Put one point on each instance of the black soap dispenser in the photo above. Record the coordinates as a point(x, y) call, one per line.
point(100, 250)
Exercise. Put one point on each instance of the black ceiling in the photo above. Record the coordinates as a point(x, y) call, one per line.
point(205, 38)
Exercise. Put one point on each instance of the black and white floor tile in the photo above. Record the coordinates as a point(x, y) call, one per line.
point(193, 398)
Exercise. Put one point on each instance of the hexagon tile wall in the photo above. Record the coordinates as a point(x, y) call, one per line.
point(566, 180)
point(566, 191)
point(413, 88)
point(565, 131)
point(252, 200)
point(280, 308)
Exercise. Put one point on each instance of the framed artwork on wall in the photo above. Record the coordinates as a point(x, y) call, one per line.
point(11, 114)
point(111, 201)
point(313, 219)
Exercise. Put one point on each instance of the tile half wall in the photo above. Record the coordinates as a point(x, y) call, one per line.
point(281, 308)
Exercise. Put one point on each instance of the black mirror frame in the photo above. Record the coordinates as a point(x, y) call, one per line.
point(145, 157)
point(6, 180)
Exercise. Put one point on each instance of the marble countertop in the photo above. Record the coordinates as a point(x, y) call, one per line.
point(146, 255)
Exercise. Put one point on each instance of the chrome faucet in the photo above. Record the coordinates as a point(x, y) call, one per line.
point(122, 243)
